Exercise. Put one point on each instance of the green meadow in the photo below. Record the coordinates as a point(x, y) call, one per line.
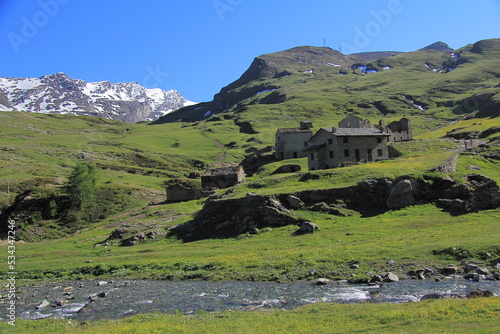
point(134, 161)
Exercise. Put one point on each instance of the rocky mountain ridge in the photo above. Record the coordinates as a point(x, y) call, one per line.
point(386, 78)
point(58, 93)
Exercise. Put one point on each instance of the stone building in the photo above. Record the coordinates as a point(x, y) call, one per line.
point(400, 130)
point(355, 140)
point(337, 147)
point(221, 178)
point(290, 142)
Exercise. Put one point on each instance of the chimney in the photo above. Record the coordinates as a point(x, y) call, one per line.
point(381, 125)
point(304, 125)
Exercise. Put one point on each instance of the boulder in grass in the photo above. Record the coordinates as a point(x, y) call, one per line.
point(479, 293)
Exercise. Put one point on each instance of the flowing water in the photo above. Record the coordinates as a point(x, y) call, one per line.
point(94, 300)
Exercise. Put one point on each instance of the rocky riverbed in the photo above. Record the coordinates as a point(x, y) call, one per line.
point(95, 300)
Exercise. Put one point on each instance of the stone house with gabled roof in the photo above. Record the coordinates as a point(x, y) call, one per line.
point(354, 141)
point(290, 142)
point(337, 147)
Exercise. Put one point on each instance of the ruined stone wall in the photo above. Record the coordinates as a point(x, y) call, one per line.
point(180, 193)
point(450, 166)
point(400, 130)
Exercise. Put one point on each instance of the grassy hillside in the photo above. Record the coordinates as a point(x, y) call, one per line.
point(255, 257)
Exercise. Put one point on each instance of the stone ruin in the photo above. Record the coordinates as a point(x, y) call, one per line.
point(222, 178)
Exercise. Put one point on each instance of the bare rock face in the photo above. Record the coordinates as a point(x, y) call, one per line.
point(402, 195)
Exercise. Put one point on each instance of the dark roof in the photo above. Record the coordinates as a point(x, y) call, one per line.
point(355, 132)
point(314, 147)
point(295, 130)
point(222, 171)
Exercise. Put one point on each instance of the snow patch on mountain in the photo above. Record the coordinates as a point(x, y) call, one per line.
point(58, 93)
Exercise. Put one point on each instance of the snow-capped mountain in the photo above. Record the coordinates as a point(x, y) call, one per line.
point(58, 93)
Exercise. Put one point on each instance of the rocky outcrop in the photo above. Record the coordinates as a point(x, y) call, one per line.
point(128, 235)
point(288, 168)
point(257, 159)
point(231, 217)
point(478, 193)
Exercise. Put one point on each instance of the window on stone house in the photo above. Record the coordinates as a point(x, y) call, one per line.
point(346, 140)
point(346, 153)
point(380, 153)
point(306, 144)
point(330, 141)
point(294, 155)
point(331, 154)
point(379, 140)
point(312, 156)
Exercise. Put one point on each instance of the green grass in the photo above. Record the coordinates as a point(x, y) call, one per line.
point(441, 316)
point(129, 151)
point(409, 238)
point(470, 125)
point(35, 145)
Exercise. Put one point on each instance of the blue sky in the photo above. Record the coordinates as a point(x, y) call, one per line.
point(200, 46)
